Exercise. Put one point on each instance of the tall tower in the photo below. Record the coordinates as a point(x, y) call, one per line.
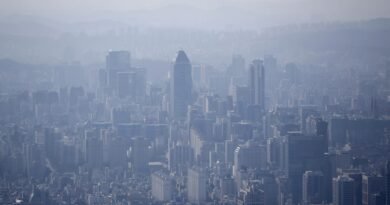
point(181, 86)
point(343, 190)
point(196, 185)
point(257, 83)
point(140, 156)
point(312, 187)
point(387, 182)
point(116, 61)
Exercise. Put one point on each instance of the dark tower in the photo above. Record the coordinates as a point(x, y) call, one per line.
point(116, 61)
point(387, 182)
point(181, 86)
point(257, 83)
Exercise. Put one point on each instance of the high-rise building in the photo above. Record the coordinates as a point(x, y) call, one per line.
point(306, 111)
point(237, 66)
point(343, 191)
point(387, 182)
point(270, 188)
point(93, 147)
point(257, 83)
point(313, 187)
point(251, 156)
point(273, 151)
point(196, 185)
point(181, 86)
point(140, 155)
point(162, 187)
point(116, 61)
point(230, 147)
point(227, 187)
point(126, 84)
point(180, 157)
point(116, 151)
point(251, 194)
point(356, 175)
point(299, 153)
point(371, 187)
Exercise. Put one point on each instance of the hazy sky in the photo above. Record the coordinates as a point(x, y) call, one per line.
point(270, 12)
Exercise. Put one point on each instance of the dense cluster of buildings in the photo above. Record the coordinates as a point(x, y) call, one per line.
point(250, 135)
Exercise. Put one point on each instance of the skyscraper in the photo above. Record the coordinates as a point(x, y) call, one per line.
point(249, 155)
point(387, 182)
point(126, 84)
point(313, 187)
point(299, 153)
point(181, 86)
point(93, 149)
point(162, 188)
point(116, 61)
point(196, 185)
point(251, 194)
point(237, 66)
point(257, 83)
point(372, 187)
point(343, 191)
point(140, 156)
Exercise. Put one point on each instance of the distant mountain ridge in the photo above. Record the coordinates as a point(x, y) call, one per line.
point(39, 40)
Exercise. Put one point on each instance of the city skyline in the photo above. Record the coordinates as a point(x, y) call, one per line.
point(209, 102)
point(254, 14)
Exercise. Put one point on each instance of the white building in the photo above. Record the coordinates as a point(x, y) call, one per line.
point(196, 185)
point(161, 186)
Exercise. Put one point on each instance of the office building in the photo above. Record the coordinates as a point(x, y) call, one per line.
point(196, 185)
point(93, 146)
point(251, 194)
point(140, 156)
point(116, 61)
point(250, 156)
point(372, 187)
point(181, 86)
point(162, 186)
point(299, 153)
point(313, 187)
point(344, 191)
point(387, 182)
point(126, 84)
point(257, 83)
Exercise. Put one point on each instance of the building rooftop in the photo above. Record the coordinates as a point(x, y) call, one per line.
point(182, 57)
